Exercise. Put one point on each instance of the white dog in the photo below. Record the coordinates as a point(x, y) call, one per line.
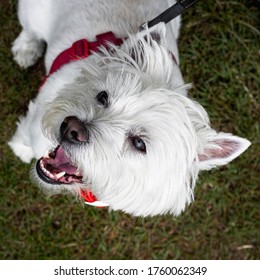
point(115, 106)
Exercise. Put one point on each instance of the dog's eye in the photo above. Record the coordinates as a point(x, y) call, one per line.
point(102, 98)
point(138, 144)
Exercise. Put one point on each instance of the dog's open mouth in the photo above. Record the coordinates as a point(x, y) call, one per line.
point(56, 168)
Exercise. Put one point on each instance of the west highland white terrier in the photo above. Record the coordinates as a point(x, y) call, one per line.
point(113, 113)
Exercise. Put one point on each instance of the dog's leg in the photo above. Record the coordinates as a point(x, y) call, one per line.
point(34, 17)
point(27, 49)
point(28, 141)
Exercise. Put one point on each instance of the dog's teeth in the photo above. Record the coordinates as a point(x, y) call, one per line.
point(50, 175)
point(42, 166)
point(46, 171)
point(78, 173)
point(59, 175)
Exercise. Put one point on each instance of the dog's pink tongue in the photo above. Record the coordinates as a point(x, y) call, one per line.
point(62, 162)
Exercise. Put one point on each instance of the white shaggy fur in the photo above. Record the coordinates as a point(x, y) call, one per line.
point(147, 97)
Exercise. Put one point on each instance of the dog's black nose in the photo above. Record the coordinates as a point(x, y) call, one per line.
point(73, 131)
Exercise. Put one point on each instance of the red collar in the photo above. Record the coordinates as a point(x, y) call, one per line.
point(90, 199)
point(79, 50)
point(82, 49)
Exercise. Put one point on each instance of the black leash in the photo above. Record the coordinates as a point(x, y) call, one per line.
point(169, 14)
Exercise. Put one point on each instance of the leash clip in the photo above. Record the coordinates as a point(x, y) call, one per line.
point(168, 15)
point(143, 26)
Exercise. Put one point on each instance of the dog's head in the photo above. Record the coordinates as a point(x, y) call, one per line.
point(126, 130)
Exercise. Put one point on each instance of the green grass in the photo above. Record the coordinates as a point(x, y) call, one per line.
point(219, 50)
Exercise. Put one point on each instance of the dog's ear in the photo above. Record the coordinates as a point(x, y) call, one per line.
point(221, 150)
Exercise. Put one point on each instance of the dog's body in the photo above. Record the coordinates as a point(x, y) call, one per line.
point(121, 118)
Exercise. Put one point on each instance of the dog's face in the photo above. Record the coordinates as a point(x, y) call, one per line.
point(126, 130)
